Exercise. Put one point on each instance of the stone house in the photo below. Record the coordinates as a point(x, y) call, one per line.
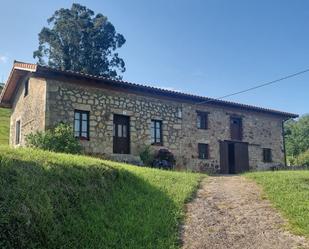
point(117, 119)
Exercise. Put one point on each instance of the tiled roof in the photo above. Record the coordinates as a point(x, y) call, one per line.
point(149, 89)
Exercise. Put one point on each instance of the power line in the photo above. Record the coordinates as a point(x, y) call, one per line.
point(256, 87)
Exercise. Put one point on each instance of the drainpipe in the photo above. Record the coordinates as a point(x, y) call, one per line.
point(283, 136)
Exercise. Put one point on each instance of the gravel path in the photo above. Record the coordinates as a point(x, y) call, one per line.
point(229, 212)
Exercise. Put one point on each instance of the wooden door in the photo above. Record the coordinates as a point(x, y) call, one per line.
point(241, 157)
point(236, 128)
point(224, 163)
point(121, 134)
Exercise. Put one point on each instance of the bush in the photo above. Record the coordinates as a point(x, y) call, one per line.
point(303, 158)
point(146, 156)
point(164, 159)
point(59, 139)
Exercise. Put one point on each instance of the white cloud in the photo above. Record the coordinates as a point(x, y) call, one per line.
point(3, 59)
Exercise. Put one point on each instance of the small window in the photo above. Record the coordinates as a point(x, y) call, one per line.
point(81, 124)
point(17, 132)
point(156, 132)
point(267, 158)
point(203, 151)
point(26, 88)
point(202, 120)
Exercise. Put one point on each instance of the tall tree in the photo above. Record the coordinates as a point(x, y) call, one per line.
point(79, 40)
point(297, 135)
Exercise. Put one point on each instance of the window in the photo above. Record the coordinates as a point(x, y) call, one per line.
point(121, 129)
point(17, 132)
point(203, 152)
point(156, 132)
point(81, 124)
point(267, 158)
point(26, 88)
point(202, 120)
point(236, 128)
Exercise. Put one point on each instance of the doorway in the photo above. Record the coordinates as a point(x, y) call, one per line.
point(121, 134)
point(231, 158)
point(234, 157)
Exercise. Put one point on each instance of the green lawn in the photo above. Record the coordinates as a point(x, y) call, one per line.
point(50, 200)
point(4, 125)
point(289, 191)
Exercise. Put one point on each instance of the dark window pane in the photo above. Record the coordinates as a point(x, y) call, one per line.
point(17, 138)
point(199, 122)
point(267, 157)
point(124, 131)
point(202, 119)
point(119, 128)
point(203, 151)
point(152, 135)
point(81, 119)
point(84, 116)
point(84, 126)
point(158, 133)
point(156, 130)
point(76, 125)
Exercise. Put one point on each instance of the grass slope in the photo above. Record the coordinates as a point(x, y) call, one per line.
point(50, 200)
point(289, 191)
point(4, 125)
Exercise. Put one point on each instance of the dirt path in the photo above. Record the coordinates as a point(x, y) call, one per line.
point(229, 212)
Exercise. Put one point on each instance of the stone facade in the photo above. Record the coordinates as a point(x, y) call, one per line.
point(29, 110)
point(55, 101)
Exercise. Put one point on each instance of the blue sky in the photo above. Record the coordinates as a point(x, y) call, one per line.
point(204, 47)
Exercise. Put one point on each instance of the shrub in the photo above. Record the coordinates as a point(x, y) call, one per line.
point(146, 156)
point(59, 139)
point(164, 159)
point(303, 158)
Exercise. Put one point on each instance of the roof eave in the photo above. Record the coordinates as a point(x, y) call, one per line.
point(19, 70)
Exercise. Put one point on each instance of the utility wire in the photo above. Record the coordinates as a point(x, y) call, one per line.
point(256, 87)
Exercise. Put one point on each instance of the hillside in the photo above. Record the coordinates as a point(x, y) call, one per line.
point(51, 200)
point(4, 125)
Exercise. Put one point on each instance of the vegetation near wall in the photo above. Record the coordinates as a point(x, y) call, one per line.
point(297, 141)
point(50, 200)
point(4, 125)
point(59, 139)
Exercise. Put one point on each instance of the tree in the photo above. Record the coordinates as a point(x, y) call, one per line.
point(81, 41)
point(297, 136)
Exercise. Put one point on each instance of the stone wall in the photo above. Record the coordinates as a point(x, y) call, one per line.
point(180, 132)
point(30, 109)
point(259, 130)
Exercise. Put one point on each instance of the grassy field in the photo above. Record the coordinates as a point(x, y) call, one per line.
point(4, 125)
point(50, 200)
point(289, 191)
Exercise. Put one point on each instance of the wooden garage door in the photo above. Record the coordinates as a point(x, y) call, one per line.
point(241, 157)
point(224, 163)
